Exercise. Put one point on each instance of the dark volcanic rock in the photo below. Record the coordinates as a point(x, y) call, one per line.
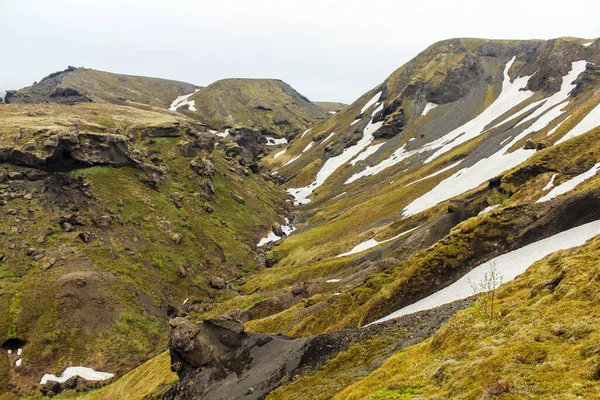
point(217, 360)
point(392, 126)
point(167, 130)
point(250, 145)
point(65, 152)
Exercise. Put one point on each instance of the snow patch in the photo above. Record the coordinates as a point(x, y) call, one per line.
point(328, 137)
point(222, 135)
point(441, 171)
point(292, 160)
point(509, 265)
point(488, 209)
point(287, 229)
point(18, 362)
point(587, 44)
point(570, 184)
point(550, 184)
point(305, 132)
point(551, 131)
point(368, 244)
point(307, 148)
point(332, 112)
point(588, 123)
point(274, 142)
point(84, 372)
point(183, 101)
point(356, 121)
point(332, 164)
point(280, 153)
point(428, 107)
point(365, 154)
point(374, 100)
point(332, 280)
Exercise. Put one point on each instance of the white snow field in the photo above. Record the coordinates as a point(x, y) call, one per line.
point(487, 168)
point(84, 372)
point(183, 101)
point(568, 185)
point(368, 244)
point(332, 164)
point(308, 146)
point(508, 265)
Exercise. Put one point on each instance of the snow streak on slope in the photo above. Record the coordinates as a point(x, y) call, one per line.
point(550, 183)
point(369, 103)
point(589, 122)
point(441, 171)
point(305, 132)
point(487, 168)
point(332, 164)
point(279, 153)
point(328, 137)
point(84, 372)
point(368, 244)
point(568, 185)
point(365, 154)
point(509, 265)
point(292, 160)
point(511, 96)
point(182, 101)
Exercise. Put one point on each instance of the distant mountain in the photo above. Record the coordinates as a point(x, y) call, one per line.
point(267, 105)
point(77, 85)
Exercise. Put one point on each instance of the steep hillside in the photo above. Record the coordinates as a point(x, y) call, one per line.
point(81, 85)
point(394, 192)
point(112, 218)
point(270, 106)
point(438, 237)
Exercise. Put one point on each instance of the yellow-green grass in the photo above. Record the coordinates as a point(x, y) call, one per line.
point(542, 344)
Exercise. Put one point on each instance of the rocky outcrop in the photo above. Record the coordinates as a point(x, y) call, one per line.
point(248, 145)
point(64, 152)
point(201, 143)
point(216, 359)
point(166, 130)
point(393, 125)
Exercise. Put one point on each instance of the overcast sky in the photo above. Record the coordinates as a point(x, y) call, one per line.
point(327, 50)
